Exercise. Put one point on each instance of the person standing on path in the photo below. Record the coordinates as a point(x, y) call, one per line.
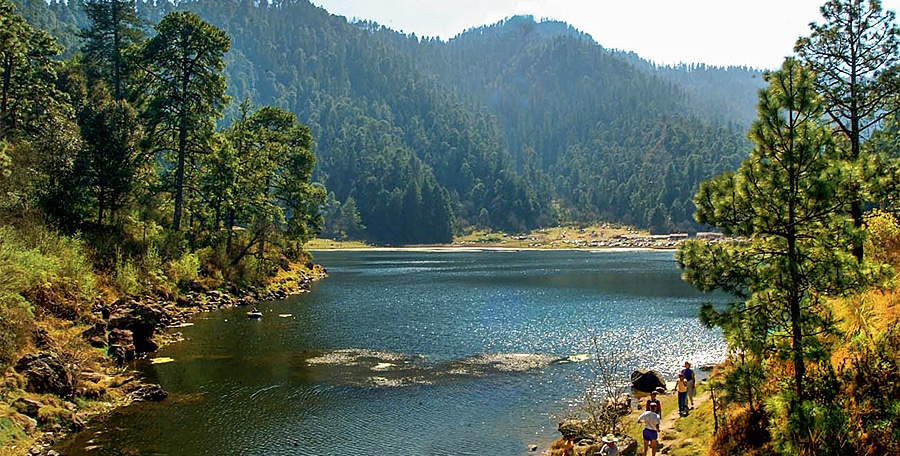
point(691, 382)
point(654, 400)
point(651, 422)
point(681, 388)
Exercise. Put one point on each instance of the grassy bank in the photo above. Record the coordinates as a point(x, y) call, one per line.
point(546, 238)
point(54, 290)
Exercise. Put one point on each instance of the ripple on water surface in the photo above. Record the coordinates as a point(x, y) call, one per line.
point(413, 353)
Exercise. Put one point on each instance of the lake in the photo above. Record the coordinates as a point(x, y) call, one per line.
point(413, 353)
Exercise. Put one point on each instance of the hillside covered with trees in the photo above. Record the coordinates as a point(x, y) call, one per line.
point(508, 127)
point(155, 149)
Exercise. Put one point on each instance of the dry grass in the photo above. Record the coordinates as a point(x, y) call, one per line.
point(556, 237)
point(330, 244)
point(546, 238)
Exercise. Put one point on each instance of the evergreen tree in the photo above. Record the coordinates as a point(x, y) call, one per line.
point(185, 91)
point(787, 201)
point(111, 131)
point(114, 26)
point(855, 55)
point(27, 71)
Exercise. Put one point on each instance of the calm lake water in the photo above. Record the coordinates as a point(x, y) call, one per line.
point(412, 353)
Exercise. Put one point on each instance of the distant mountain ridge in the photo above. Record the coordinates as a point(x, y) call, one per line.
point(512, 126)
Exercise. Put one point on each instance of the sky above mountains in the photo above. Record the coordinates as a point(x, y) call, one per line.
point(757, 33)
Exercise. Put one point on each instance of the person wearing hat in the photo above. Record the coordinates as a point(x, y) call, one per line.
point(651, 428)
point(610, 448)
point(654, 400)
point(681, 387)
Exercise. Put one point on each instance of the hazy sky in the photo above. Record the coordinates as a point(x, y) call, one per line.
point(757, 33)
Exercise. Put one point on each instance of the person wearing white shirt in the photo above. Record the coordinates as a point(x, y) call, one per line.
point(651, 422)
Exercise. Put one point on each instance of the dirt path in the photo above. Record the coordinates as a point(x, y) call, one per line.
point(668, 437)
point(668, 422)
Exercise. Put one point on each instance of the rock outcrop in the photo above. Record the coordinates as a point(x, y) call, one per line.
point(148, 392)
point(121, 345)
point(646, 380)
point(46, 373)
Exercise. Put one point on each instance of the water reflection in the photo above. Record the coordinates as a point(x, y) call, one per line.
point(413, 353)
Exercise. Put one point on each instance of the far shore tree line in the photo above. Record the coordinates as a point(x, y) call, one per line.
point(510, 127)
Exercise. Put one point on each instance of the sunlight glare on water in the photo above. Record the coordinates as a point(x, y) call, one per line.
point(413, 353)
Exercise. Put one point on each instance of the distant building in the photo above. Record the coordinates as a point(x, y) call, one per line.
point(709, 235)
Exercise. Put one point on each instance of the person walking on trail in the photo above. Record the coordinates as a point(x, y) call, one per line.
point(691, 382)
point(681, 388)
point(654, 400)
point(651, 422)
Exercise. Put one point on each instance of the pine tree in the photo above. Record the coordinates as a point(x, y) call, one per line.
point(185, 89)
point(855, 55)
point(787, 202)
point(114, 26)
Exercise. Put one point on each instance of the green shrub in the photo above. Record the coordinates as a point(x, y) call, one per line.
point(16, 324)
point(9, 431)
point(184, 269)
point(152, 266)
point(126, 276)
point(50, 270)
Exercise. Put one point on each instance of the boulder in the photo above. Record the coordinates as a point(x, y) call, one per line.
point(646, 380)
point(141, 319)
point(27, 407)
point(621, 404)
point(24, 422)
point(150, 392)
point(628, 445)
point(46, 373)
point(575, 428)
point(96, 335)
point(121, 345)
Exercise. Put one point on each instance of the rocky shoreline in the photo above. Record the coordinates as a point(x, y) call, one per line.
point(128, 329)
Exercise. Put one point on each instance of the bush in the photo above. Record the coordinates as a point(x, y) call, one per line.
point(184, 269)
point(16, 324)
point(51, 271)
point(126, 275)
point(745, 433)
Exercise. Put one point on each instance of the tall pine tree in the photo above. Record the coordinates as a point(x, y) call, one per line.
point(185, 89)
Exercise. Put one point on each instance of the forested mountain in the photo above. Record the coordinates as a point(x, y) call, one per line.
point(512, 126)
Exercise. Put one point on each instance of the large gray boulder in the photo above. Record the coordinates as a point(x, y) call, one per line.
point(149, 392)
point(121, 345)
point(647, 380)
point(96, 334)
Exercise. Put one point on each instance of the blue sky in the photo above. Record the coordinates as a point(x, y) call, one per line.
point(756, 33)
